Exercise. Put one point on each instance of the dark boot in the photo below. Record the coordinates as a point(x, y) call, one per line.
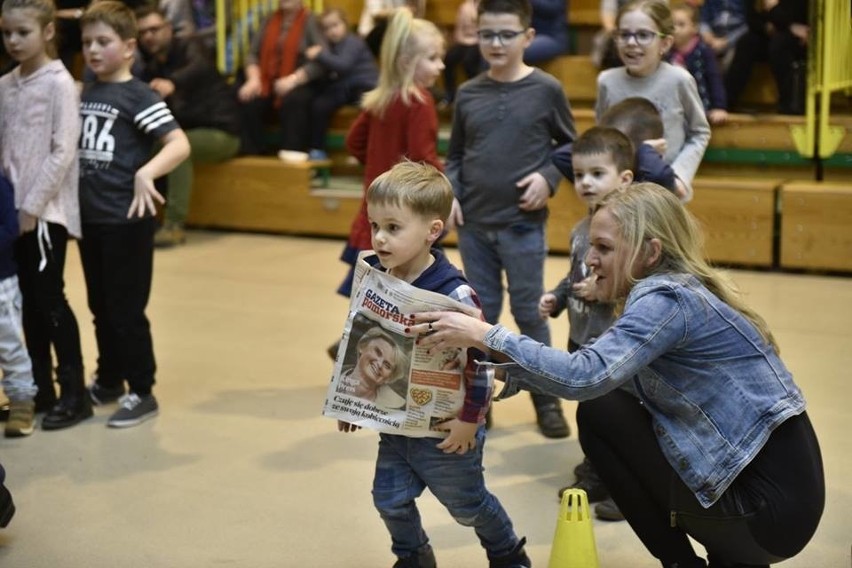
point(74, 403)
point(425, 558)
point(549, 416)
point(7, 506)
point(517, 558)
point(45, 399)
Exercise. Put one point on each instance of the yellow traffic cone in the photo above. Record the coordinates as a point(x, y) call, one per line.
point(574, 541)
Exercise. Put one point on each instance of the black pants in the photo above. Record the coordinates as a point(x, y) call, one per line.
point(48, 320)
point(294, 120)
point(768, 514)
point(470, 59)
point(329, 97)
point(786, 57)
point(118, 263)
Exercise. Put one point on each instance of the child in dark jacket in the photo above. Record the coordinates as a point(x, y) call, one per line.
point(691, 52)
point(352, 71)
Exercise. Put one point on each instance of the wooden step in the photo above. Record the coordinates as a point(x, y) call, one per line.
point(816, 226)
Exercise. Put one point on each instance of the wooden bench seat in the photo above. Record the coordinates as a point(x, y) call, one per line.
point(816, 226)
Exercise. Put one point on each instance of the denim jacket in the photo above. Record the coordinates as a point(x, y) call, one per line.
point(714, 388)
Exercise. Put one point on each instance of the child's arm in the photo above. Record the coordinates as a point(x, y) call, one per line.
point(477, 392)
point(175, 150)
point(650, 166)
point(65, 136)
point(358, 136)
point(347, 53)
point(455, 155)
point(718, 112)
point(8, 216)
point(696, 138)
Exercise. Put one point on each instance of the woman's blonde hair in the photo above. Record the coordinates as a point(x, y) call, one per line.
point(646, 211)
point(405, 42)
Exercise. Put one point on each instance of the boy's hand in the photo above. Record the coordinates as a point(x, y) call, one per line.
point(456, 219)
point(343, 426)
point(586, 289)
point(658, 144)
point(536, 191)
point(26, 222)
point(312, 51)
point(144, 194)
point(461, 439)
point(546, 305)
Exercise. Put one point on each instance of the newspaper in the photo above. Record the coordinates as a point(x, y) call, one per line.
point(381, 379)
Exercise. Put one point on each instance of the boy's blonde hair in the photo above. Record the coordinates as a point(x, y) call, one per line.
point(645, 211)
point(607, 141)
point(657, 10)
point(404, 44)
point(419, 187)
point(113, 14)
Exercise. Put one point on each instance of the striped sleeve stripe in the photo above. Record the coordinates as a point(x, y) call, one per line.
point(153, 117)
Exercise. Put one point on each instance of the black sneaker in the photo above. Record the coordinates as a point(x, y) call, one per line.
point(7, 506)
point(69, 411)
point(102, 395)
point(551, 422)
point(134, 410)
point(585, 469)
point(594, 488)
point(425, 558)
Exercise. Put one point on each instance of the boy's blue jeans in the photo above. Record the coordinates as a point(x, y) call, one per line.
point(519, 250)
point(406, 466)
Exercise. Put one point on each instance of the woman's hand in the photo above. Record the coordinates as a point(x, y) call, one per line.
point(250, 90)
point(442, 330)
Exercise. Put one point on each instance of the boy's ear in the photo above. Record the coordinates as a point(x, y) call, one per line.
point(626, 177)
point(529, 35)
point(130, 47)
point(436, 228)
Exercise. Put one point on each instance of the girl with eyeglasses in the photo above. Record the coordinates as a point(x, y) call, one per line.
point(643, 36)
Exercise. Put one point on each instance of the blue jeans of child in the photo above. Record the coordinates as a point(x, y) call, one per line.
point(407, 466)
point(520, 250)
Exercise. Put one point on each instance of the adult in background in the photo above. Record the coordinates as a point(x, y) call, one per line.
point(201, 101)
point(279, 77)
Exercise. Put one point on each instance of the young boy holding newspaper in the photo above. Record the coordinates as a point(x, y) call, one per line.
point(407, 208)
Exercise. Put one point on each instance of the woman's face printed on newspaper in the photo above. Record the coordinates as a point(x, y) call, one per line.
point(377, 362)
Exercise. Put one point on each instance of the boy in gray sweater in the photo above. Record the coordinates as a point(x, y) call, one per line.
point(507, 125)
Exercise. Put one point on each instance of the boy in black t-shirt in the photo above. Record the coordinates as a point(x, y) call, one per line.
point(122, 118)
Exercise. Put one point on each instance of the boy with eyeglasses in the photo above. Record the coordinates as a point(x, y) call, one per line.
point(508, 123)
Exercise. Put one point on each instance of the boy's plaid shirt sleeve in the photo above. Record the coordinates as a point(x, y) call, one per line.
point(477, 391)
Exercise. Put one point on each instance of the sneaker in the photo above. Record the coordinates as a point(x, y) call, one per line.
point(316, 155)
point(69, 411)
point(21, 419)
point(134, 410)
point(551, 422)
point(102, 395)
point(425, 558)
point(169, 235)
point(607, 510)
point(585, 469)
point(516, 558)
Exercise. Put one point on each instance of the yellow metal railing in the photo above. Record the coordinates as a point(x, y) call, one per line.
point(829, 71)
point(236, 23)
